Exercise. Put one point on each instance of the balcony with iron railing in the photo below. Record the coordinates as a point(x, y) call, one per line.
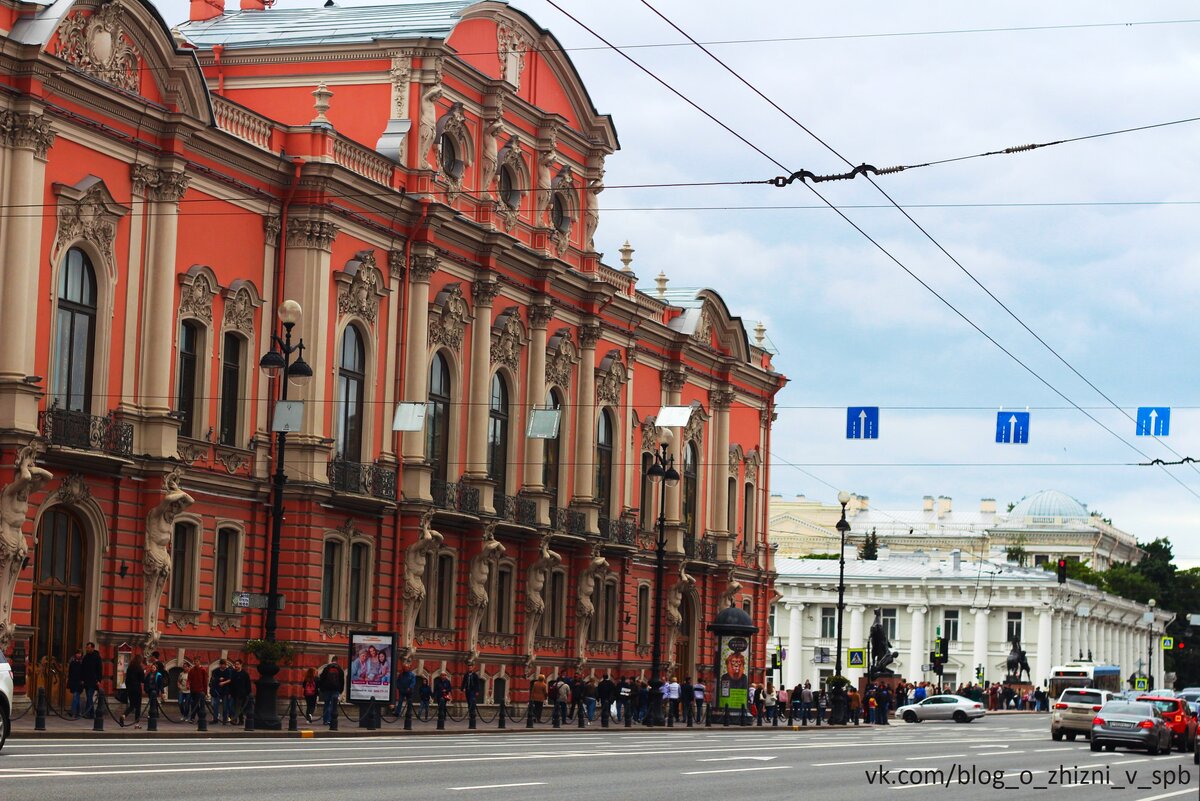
point(362, 479)
point(86, 432)
point(569, 521)
point(516, 509)
point(454, 496)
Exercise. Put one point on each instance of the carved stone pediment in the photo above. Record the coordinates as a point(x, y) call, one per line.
point(694, 430)
point(511, 47)
point(650, 434)
point(97, 44)
point(508, 337)
point(561, 358)
point(753, 462)
point(73, 490)
point(448, 317)
point(611, 376)
point(241, 299)
point(197, 288)
point(361, 287)
point(87, 212)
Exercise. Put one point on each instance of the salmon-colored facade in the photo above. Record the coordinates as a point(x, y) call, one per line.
point(423, 179)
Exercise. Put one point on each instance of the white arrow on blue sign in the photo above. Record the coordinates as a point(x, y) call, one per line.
point(1012, 428)
point(1153, 421)
point(862, 422)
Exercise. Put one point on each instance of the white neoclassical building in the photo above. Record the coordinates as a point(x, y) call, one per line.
point(978, 605)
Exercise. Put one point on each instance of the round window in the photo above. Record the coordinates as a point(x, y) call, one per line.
point(509, 195)
point(448, 154)
point(558, 214)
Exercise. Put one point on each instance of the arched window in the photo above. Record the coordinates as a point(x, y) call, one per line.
point(731, 499)
point(559, 214)
point(74, 336)
point(331, 579)
point(551, 448)
point(553, 620)
point(647, 493)
point(351, 379)
point(183, 566)
point(190, 340)
point(748, 518)
point(445, 592)
point(510, 195)
point(746, 608)
point(500, 617)
point(690, 487)
point(225, 568)
point(448, 157)
point(437, 422)
point(643, 614)
point(604, 463)
point(232, 359)
point(498, 434)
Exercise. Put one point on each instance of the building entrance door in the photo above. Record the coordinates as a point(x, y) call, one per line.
point(58, 592)
point(684, 666)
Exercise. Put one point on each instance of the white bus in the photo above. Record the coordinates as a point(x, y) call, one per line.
point(1084, 674)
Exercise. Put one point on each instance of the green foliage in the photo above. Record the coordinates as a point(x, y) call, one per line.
point(266, 651)
point(821, 556)
point(869, 550)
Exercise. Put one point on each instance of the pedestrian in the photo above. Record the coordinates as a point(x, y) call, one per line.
point(590, 695)
point(673, 690)
point(442, 687)
point(822, 704)
point(75, 683)
point(308, 688)
point(216, 693)
point(769, 704)
point(424, 694)
point(563, 697)
point(919, 693)
point(606, 696)
point(699, 694)
point(624, 697)
point(538, 690)
point(404, 689)
point(330, 683)
point(91, 671)
point(197, 684)
point(881, 709)
point(806, 700)
point(135, 678)
point(472, 686)
point(782, 701)
point(181, 689)
point(155, 683)
point(854, 703)
point(686, 695)
point(643, 701)
point(229, 712)
point(240, 683)
point(872, 702)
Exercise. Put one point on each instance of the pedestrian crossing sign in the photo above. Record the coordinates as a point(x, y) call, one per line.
point(856, 657)
point(1141, 684)
point(1168, 643)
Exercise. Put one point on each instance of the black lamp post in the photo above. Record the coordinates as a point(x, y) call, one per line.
point(662, 471)
point(277, 364)
point(837, 712)
point(1150, 648)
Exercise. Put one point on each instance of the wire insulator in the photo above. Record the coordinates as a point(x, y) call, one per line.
point(1020, 148)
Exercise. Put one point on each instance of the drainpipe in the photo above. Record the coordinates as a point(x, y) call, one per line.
point(217, 50)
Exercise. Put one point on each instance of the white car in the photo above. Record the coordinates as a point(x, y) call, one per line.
point(942, 707)
point(6, 694)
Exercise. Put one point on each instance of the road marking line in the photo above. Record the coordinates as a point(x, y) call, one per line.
point(989, 746)
point(1130, 761)
point(738, 759)
point(735, 770)
point(997, 753)
point(936, 756)
point(853, 762)
point(496, 786)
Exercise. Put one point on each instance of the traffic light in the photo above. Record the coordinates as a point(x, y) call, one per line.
point(1062, 571)
point(1180, 645)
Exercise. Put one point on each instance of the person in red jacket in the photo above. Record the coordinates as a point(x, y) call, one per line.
point(197, 684)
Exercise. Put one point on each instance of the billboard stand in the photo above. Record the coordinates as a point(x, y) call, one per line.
point(371, 674)
point(733, 628)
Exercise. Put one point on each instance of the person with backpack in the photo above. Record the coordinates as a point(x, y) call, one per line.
point(135, 679)
point(155, 683)
point(308, 688)
point(197, 684)
point(330, 684)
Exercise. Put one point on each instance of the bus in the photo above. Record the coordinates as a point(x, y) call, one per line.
point(1084, 674)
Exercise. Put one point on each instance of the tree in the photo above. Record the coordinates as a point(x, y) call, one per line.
point(870, 547)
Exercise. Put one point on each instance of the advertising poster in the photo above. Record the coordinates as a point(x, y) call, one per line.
point(734, 684)
point(372, 668)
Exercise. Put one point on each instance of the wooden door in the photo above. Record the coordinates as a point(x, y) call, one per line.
point(58, 592)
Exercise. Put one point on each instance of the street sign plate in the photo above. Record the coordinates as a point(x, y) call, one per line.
point(862, 422)
point(856, 657)
point(1012, 428)
point(1141, 684)
point(1153, 421)
point(289, 415)
point(926, 667)
point(1168, 643)
point(253, 600)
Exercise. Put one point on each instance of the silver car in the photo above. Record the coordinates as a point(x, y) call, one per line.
point(942, 707)
point(1132, 724)
point(6, 694)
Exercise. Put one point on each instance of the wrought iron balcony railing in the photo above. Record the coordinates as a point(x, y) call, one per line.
point(515, 509)
point(86, 432)
point(362, 479)
point(455, 496)
point(570, 521)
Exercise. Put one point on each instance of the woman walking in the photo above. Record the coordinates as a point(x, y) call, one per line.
point(135, 676)
point(309, 687)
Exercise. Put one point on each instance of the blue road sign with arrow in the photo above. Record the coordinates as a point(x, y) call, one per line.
point(1153, 421)
point(1012, 428)
point(862, 422)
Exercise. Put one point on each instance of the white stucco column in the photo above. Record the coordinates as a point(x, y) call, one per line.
point(483, 292)
point(917, 649)
point(584, 486)
point(540, 315)
point(979, 654)
point(855, 638)
point(1045, 646)
point(794, 665)
point(416, 366)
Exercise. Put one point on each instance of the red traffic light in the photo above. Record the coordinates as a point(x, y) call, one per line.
point(1180, 644)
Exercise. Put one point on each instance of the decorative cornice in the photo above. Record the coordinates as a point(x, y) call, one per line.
point(27, 132)
point(271, 223)
point(87, 211)
point(396, 264)
point(315, 234)
point(720, 399)
point(673, 380)
point(97, 44)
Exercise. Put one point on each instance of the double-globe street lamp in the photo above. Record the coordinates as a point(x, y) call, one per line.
point(661, 472)
point(277, 363)
point(837, 712)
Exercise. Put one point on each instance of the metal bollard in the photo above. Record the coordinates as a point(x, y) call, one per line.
point(441, 721)
point(98, 711)
point(293, 714)
point(726, 722)
point(408, 716)
point(502, 713)
point(628, 716)
point(372, 725)
point(202, 719)
point(470, 715)
point(529, 715)
point(580, 716)
point(39, 719)
point(554, 721)
point(152, 713)
point(333, 719)
point(249, 711)
point(708, 716)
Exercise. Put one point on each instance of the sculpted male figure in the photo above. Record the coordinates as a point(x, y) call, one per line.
point(14, 508)
point(584, 608)
point(415, 558)
point(160, 525)
point(477, 581)
point(674, 617)
point(535, 602)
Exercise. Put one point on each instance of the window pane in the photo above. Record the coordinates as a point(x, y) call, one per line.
point(231, 389)
point(189, 335)
point(81, 362)
point(329, 579)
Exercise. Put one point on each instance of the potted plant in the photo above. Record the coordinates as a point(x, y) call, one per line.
point(279, 653)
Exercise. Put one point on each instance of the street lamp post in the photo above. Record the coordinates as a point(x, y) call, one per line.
point(838, 710)
point(662, 471)
point(1150, 646)
point(277, 364)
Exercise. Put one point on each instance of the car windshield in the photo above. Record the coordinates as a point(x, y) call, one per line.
point(1080, 697)
point(1165, 706)
point(1125, 708)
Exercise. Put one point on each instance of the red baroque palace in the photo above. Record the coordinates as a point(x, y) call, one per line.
point(422, 179)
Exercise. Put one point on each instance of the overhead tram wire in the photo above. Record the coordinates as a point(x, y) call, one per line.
point(937, 244)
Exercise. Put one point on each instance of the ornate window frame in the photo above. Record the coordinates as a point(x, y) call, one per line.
point(348, 536)
point(235, 577)
point(189, 613)
point(452, 127)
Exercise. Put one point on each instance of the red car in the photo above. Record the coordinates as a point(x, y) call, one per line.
point(1179, 718)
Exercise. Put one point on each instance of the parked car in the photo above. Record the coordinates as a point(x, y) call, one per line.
point(6, 695)
point(1132, 724)
point(942, 707)
point(1178, 715)
point(1073, 712)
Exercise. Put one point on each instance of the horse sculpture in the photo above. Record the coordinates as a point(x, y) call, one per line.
point(1017, 663)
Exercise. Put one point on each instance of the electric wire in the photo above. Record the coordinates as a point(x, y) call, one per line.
point(927, 235)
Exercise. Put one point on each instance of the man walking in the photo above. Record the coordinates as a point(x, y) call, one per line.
point(330, 684)
point(197, 683)
point(698, 693)
point(806, 699)
point(91, 671)
point(472, 686)
point(240, 683)
point(75, 683)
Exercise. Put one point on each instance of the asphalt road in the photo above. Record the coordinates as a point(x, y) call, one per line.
point(988, 759)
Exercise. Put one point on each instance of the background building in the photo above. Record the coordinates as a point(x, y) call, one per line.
point(423, 179)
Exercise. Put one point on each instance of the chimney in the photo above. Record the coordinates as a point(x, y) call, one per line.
point(927, 503)
point(864, 503)
point(955, 560)
point(256, 5)
point(206, 9)
point(987, 506)
point(943, 506)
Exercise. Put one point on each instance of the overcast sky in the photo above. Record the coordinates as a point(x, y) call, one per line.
point(1093, 244)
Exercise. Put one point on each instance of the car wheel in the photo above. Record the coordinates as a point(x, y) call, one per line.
point(960, 717)
point(1167, 748)
point(1196, 757)
point(4, 724)
point(1152, 750)
point(1110, 748)
point(910, 717)
point(1056, 735)
point(1071, 736)
point(1095, 745)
